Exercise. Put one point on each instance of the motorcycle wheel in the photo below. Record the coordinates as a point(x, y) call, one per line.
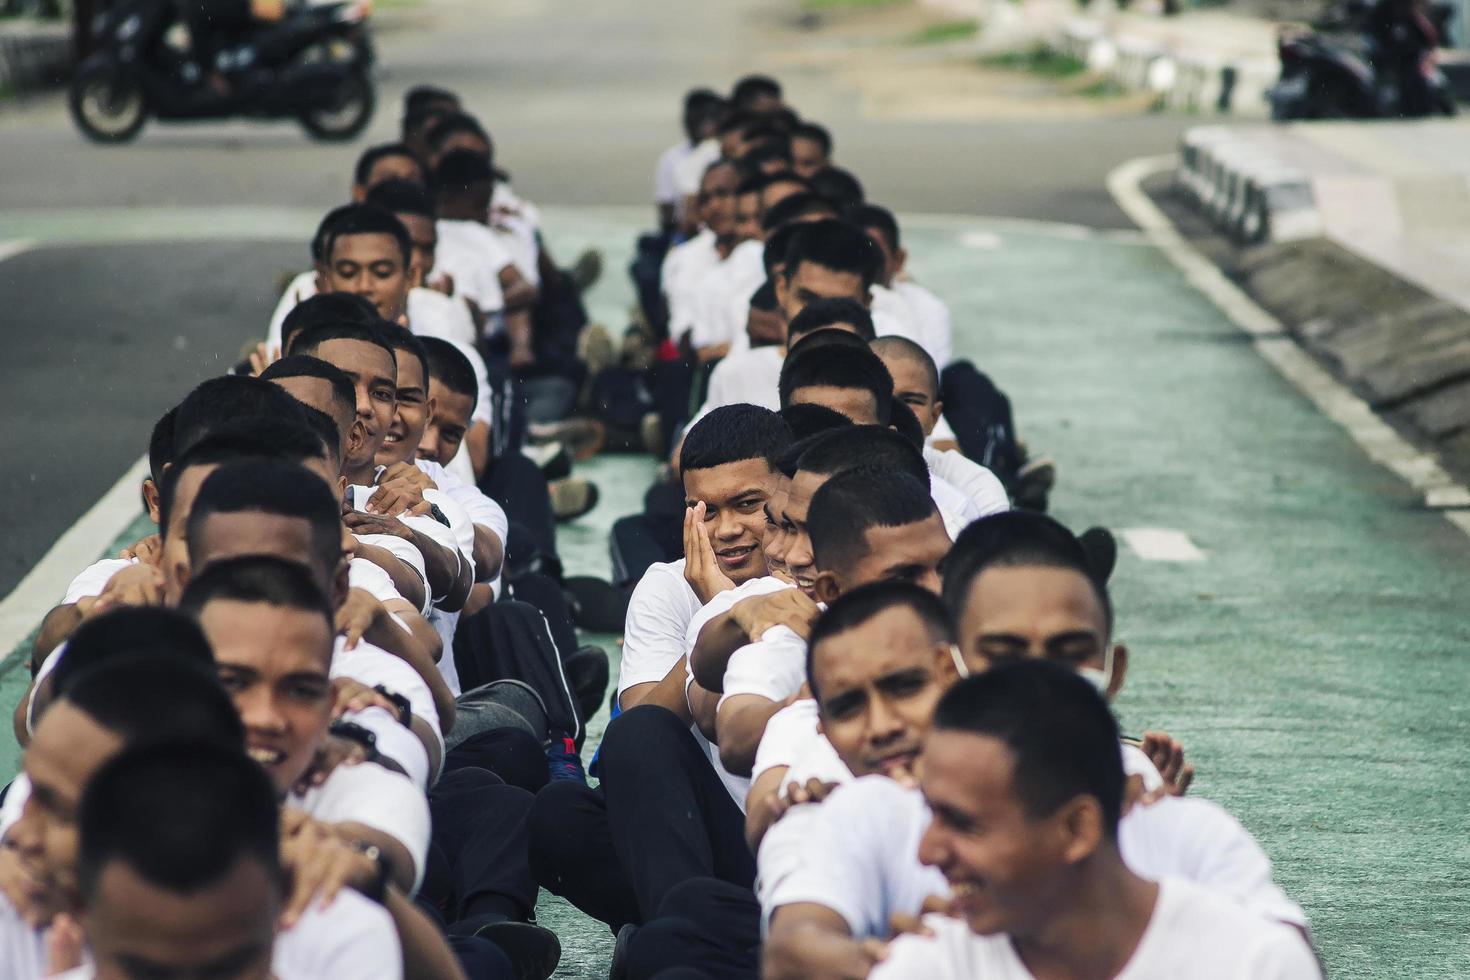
point(108, 102)
point(351, 111)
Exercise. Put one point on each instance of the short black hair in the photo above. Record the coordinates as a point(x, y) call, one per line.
point(1062, 737)
point(455, 122)
point(732, 433)
point(849, 447)
point(1016, 539)
point(459, 170)
point(226, 400)
point(271, 486)
point(847, 505)
point(154, 699)
point(853, 609)
point(325, 428)
point(764, 297)
point(306, 366)
point(838, 186)
point(771, 147)
point(421, 96)
point(310, 340)
point(699, 99)
point(752, 87)
point(809, 420)
point(873, 216)
point(400, 339)
point(403, 197)
point(161, 444)
point(450, 367)
point(383, 151)
point(837, 245)
point(838, 366)
point(251, 437)
point(180, 815)
point(262, 579)
point(363, 219)
point(817, 134)
point(901, 419)
point(325, 309)
point(905, 349)
point(821, 313)
point(130, 632)
point(777, 241)
point(800, 205)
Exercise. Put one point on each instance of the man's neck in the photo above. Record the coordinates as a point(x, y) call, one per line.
point(725, 244)
point(360, 474)
point(1096, 926)
point(462, 212)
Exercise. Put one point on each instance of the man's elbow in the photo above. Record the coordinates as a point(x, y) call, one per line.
point(737, 755)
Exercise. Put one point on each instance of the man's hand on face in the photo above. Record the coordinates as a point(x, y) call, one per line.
point(35, 901)
point(136, 585)
point(320, 864)
point(360, 522)
point(1167, 755)
point(701, 568)
point(148, 550)
point(401, 488)
point(791, 608)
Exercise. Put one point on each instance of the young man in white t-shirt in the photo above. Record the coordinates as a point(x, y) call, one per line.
point(205, 897)
point(483, 270)
point(928, 313)
point(702, 109)
point(611, 851)
point(1025, 782)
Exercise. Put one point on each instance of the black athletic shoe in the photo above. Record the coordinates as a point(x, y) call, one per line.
point(1102, 551)
point(619, 968)
point(587, 671)
point(533, 951)
point(596, 604)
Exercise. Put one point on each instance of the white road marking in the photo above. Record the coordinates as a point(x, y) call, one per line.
point(14, 247)
point(46, 583)
point(1161, 544)
point(1382, 444)
point(983, 240)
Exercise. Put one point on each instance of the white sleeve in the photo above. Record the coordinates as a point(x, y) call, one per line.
point(375, 797)
point(937, 957)
point(658, 616)
point(978, 485)
point(665, 184)
point(774, 667)
point(404, 551)
point(302, 287)
point(787, 733)
point(363, 574)
point(396, 742)
point(94, 578)
point(372, 665)
point(353, 938)
point(483, 399)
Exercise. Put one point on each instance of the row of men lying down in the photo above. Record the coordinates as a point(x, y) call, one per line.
point(880, 780)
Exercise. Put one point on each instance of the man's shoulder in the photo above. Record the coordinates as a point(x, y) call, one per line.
point(1218, 927)
point(350, 933)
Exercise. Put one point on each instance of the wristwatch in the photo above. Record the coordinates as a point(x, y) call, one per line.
point(405, 707)
point(353, 732)
point(378, 890)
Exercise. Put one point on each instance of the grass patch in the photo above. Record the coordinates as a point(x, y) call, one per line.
point(1037, 60)
point(814, 5)
point(1102, 88)
point(949, 30)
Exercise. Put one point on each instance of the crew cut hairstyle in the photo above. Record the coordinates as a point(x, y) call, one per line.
point(847, 505)
point(752, 87)
point(180, 815)
point(307, 366)
point(401, 340)
point(325, 308)
point(161, 444)
point(733, 433)
point(403, 197)
point(130, 632)
point(384, 151)
point(363, 219)
point(862, 445)
point(421, 96)
point(799, 205)
point(450, 367)
point(1016, 539)
point(310, 340)
point(155, 699)
point(852, 609)
point(901, 419)
point(816, 133)
point(224, 401)
point(810, 420)
point(276, 487)
point(256, 579)
point(906, 350)
point(839, 186)
point(460, 170)
point(838, 366)
point(451, 123)
point(242, 439)
point(837, 245)
point(1062, 737)
point(873, 216)
point(821, 313)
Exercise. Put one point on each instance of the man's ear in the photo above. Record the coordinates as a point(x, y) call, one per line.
point(321, 278)
point(359, 193)
point(340, 584)
point(1120, 670)
point(826, 587)
point(947, 670)
point(150, 499)
point(1080, 822)
point(356, 439)
point(783, 288)
point(900, 259)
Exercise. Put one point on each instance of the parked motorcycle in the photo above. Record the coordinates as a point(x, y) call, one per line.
point(313, 66)
point(1350, 75)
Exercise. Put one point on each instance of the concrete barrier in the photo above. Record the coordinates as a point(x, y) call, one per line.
point(34, 55)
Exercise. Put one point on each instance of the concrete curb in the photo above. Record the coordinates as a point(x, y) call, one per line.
point(34, 55)
point(1248, 192)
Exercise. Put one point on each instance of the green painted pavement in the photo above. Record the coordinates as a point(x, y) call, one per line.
point(1313, 664)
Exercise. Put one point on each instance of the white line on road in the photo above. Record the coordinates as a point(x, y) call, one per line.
point(46, 583)
point(1161, 544)
point(14, 247)
point(1374, 436)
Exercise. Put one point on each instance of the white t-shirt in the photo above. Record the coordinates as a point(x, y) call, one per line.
point(665, 174)
point(22, 949)
point(956, 509)
point(932, 318)
point(892, 316)
point(352, 939)
point(372, 665)
point(684, 268)
point(982, 487)
point(751, 377)
point(724, 601)
point(773, 667)
point(404, 551)
point(1193, 933)
point(473, 255)
point(517, 223)
point(451, 537)
point(689, 172)
point(377, 798)
point(791, 739)
point(94, 578)
point(722, 303)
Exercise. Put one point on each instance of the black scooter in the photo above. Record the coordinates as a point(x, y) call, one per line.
point(313, 67)
point(1335, 76)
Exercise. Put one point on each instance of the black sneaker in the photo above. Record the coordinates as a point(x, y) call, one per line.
point(1102, 551)
point(619, 968)
point(533, 951)
point(587, 672)
point(596, 604)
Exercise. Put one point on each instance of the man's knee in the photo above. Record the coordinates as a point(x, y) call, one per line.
point(640, 740)
point(557, 829)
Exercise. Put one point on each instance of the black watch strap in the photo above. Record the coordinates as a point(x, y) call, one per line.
point(405, 707)
point(378, 890)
